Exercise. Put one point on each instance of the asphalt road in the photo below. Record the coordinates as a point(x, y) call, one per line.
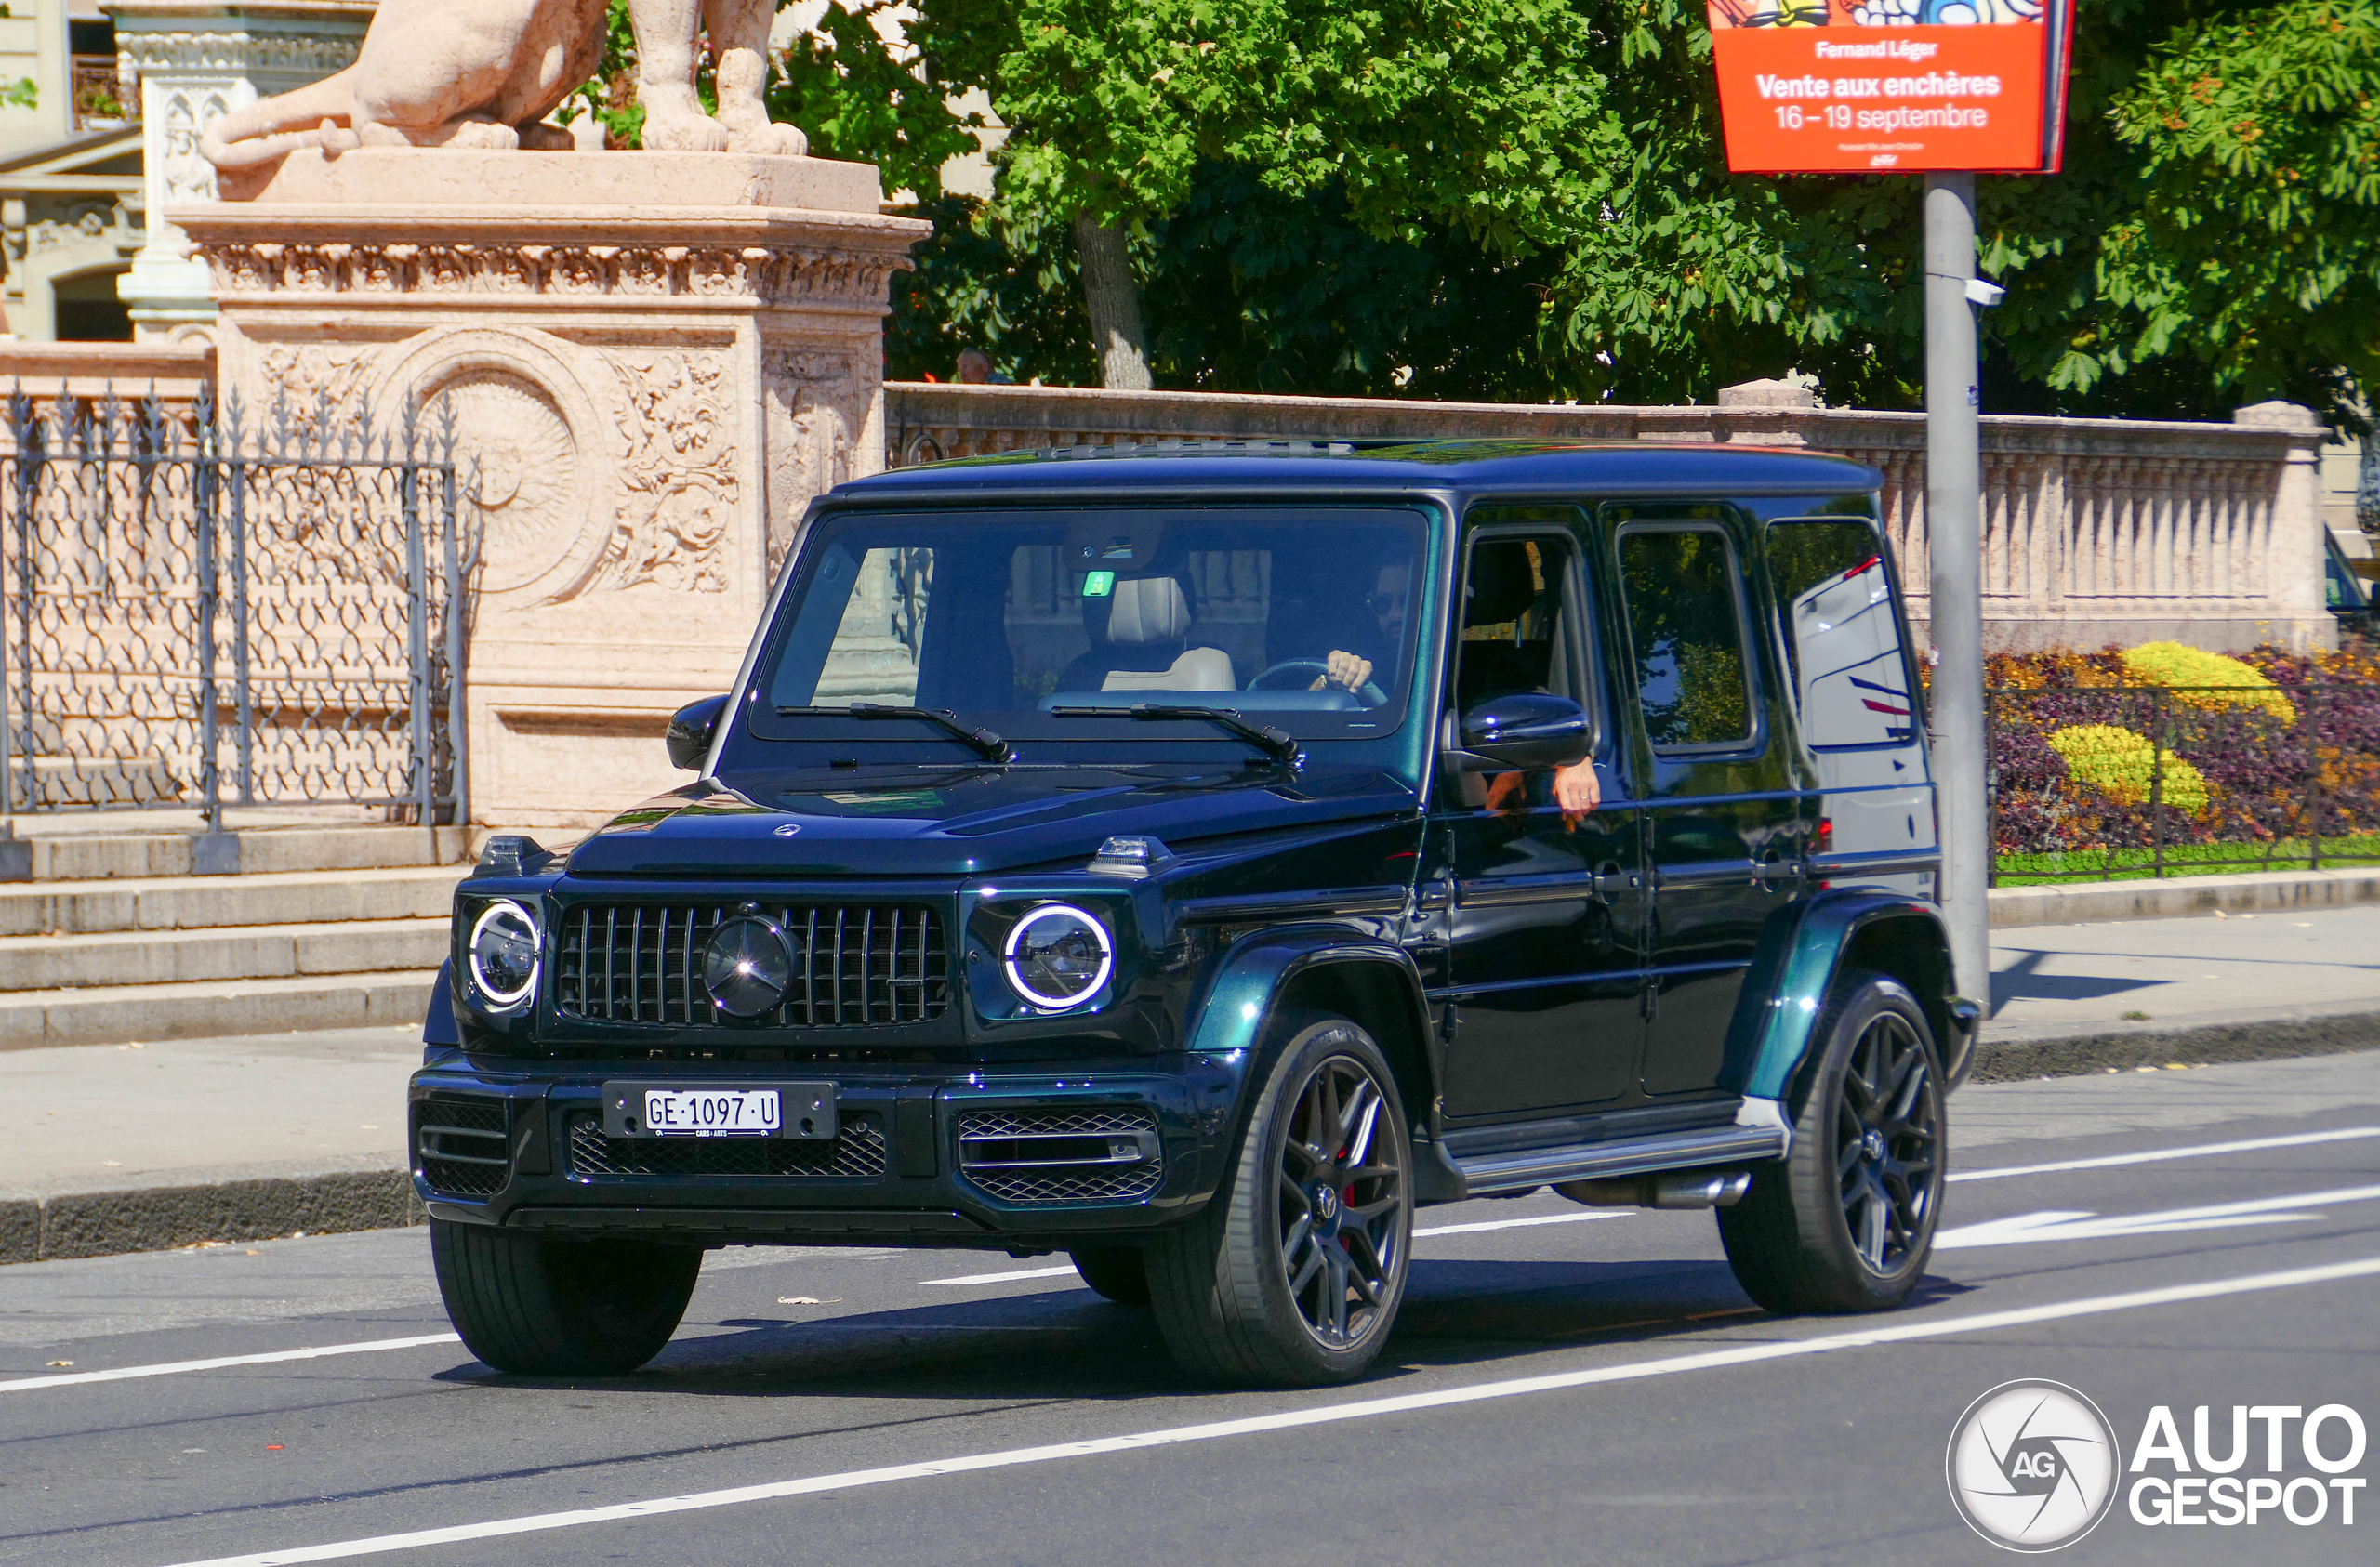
point(1564, 1388)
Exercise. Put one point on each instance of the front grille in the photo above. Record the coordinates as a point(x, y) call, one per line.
point(855, 966)
point(858, 1153)
point(464, 1151)
point(1100, 1154)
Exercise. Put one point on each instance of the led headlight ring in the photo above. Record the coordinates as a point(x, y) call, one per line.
point(492, 946)
point(1058, 956)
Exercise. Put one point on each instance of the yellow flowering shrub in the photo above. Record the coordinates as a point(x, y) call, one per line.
point(2118, 763)
point(2171, 663)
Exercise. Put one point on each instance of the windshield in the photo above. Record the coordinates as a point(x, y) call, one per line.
point(1298, 618)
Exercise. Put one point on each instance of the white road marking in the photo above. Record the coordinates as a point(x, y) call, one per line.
point(2085, 1225)
point(2199, 1150)
point(1744, 1354)
point(1002, 1278)
point(124, 1373)
point(1514, 1223)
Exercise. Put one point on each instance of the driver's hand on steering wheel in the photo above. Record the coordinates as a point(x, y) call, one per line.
point(1344, 670)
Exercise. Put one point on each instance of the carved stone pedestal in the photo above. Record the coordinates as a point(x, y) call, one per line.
point(654, 360)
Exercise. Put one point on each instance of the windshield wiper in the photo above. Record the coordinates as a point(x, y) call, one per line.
point(1276, 744)
point(985, 743)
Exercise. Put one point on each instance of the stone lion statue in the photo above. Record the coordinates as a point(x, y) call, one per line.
point(485, 73)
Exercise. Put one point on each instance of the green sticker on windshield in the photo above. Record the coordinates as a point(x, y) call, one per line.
point(1098, 585)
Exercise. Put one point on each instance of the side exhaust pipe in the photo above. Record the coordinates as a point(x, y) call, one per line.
point(1678, 1189)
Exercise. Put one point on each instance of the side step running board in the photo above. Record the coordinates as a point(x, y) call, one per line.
point(1488, 1172)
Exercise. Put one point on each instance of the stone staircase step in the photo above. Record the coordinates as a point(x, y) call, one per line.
point(76, 908)
point(263, 850)
point(245, 951)
point(119, 1014)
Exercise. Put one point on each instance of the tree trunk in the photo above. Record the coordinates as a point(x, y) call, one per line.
point(1113, 298)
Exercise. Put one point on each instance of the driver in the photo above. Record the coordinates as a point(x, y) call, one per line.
point(1350, 671)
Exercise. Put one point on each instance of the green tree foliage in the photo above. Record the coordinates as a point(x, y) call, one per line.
point(1528, 199)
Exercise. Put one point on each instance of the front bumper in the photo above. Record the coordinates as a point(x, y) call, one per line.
point(926, 1156)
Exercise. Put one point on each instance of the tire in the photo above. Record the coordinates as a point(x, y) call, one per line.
point(1292, 1275)
point(561, 1308)
point(1845, 1222)
point(1116, 1273)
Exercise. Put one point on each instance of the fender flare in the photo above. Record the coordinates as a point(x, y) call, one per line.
point(1794, 970)
point(1241, 999)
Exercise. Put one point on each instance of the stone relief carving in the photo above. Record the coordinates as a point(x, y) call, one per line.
point(155, 54)
point(188, 175)
point(520, 466)
point(451, 74)
point(677, 473)
point(317, 399)
point(825, 395)
point(104, 220)
point(648, 272)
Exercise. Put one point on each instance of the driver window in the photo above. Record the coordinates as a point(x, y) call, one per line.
point(1518, 617)
point(1522, 630)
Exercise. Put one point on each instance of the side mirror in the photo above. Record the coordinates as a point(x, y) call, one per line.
point(691, 729)
point(1525, 731)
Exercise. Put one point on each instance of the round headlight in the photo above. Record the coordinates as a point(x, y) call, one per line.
point(1059, 956)
point(504, 954)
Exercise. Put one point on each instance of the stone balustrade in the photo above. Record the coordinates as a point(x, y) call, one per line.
point(2096, 531)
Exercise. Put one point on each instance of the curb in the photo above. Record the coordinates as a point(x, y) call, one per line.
point(2215, 1043)
point(2179, 897)
point(160, 1217)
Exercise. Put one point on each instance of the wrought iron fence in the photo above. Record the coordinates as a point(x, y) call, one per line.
point(200, 612)
point(2093, 783)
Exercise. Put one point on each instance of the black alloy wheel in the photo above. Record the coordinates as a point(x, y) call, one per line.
point(1845, 1222)
point(1292, 1273)
point(1341, 1199)
point(1886, 1135)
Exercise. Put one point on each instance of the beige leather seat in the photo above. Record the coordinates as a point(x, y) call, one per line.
point(1148, 616)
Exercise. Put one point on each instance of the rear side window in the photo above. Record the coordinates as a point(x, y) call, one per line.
point(1686, 636)
point(1842, 638)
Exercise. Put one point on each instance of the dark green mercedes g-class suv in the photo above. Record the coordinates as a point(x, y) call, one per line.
point(1196, 860)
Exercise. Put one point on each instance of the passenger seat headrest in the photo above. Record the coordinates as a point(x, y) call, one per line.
point(1148, 612)
point(1502, 588)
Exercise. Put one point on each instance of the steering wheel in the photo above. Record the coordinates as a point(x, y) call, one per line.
point(1303, 672)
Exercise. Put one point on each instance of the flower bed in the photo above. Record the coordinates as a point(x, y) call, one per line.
point(2165, 759)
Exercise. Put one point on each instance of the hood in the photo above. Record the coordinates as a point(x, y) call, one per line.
point(911, 821)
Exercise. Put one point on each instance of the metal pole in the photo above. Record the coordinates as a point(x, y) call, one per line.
point(457, 736)
point(243, 694)
point(2314, 781)
point(425, 789)
point(224, 450)
point(1954, 542)
point(2159, 726)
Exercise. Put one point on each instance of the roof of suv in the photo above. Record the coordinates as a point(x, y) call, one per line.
point(1520, 466)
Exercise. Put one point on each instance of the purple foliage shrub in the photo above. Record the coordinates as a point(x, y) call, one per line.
point(2269, 779)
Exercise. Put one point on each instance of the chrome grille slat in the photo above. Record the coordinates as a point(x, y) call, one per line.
point(860, 966)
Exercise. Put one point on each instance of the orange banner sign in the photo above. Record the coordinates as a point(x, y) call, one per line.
point(1980, 84)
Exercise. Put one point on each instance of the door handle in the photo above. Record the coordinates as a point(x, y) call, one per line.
point(1609, 880)
point(1775, 867)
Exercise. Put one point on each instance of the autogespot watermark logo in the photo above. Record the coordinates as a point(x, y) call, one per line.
point(2033, 1466)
